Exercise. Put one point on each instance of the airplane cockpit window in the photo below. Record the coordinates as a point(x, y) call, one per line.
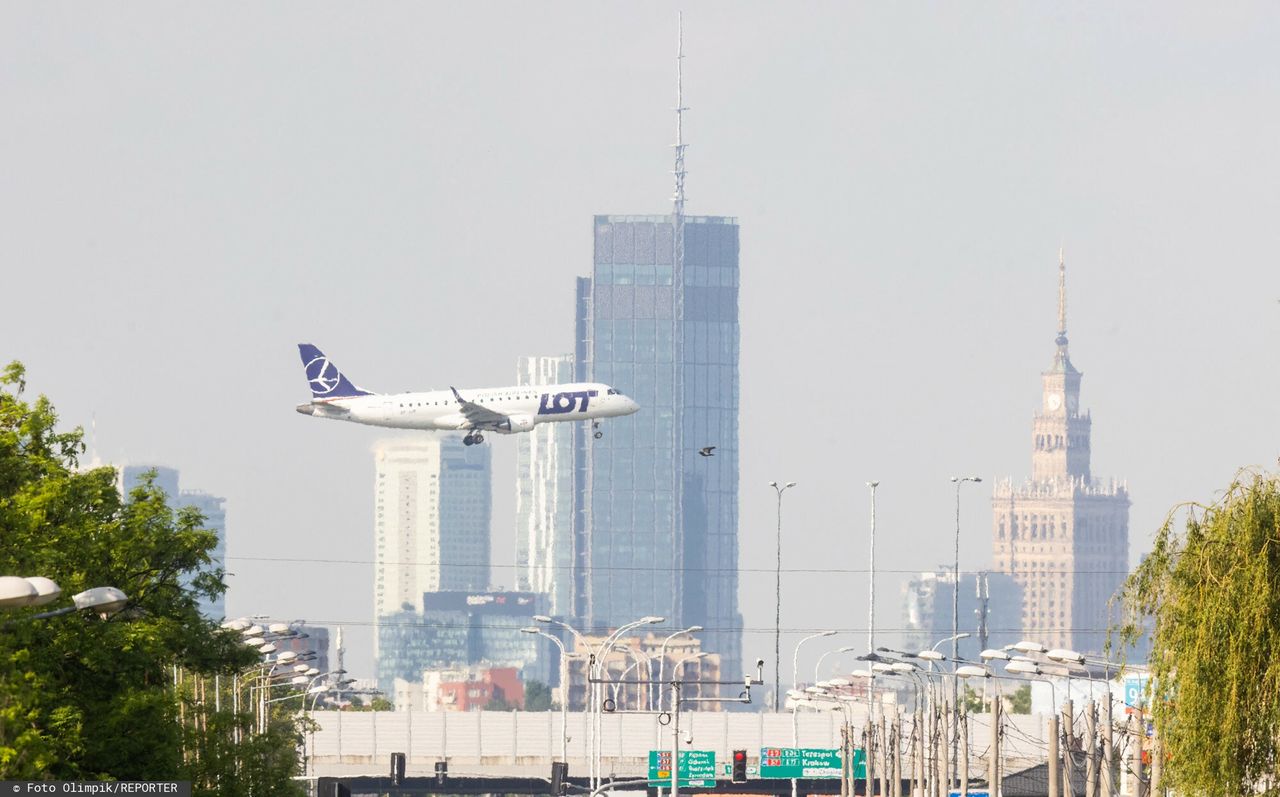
point(613, 392)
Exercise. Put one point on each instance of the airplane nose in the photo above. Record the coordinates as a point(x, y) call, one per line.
point(632, 406)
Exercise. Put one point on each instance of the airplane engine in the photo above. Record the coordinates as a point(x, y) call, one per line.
point(516, 423)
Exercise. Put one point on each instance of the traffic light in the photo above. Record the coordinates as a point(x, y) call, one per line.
point(397, 769)
point(559, 776)
point(442, 772)
point(739, 766)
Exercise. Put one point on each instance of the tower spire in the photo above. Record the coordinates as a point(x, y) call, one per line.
point(678, 197)
point(1062, 298)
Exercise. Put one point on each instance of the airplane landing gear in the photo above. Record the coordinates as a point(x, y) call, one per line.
point(595, 430)
point(473, 439)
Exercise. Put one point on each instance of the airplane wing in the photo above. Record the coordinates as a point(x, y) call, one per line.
point(478, 416)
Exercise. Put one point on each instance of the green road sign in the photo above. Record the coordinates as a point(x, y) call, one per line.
point(697, 768)
point(807, 762)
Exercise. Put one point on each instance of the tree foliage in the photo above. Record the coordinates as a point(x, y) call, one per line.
point(537, 696)
point(84, 697)
point(1210, 598)
point(1020, 701)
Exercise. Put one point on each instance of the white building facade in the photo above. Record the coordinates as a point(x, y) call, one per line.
point(431, 519)
point(544, 496)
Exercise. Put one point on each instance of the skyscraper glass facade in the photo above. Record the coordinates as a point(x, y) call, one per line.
point(544, 496)
point(210, 506)
point(459, 629)
point(656, 522)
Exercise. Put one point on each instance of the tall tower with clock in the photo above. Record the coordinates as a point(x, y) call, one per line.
point(1062, 535)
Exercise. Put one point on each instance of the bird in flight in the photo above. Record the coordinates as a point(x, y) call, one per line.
point(706, 451)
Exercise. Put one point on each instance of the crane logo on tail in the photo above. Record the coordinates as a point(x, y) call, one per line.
point(322, 375)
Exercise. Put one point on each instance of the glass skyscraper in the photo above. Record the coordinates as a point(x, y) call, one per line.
point(544, 496)
point(210, 506)
point(656, 521)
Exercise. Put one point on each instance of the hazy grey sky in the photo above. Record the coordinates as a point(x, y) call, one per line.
point(188, 190)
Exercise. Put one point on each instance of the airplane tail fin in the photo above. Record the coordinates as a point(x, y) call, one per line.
point(324, 378)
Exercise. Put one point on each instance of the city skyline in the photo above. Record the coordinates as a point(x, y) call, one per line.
point(194, 216)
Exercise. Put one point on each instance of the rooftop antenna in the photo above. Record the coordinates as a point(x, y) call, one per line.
point(677, 262)
point(679, 171)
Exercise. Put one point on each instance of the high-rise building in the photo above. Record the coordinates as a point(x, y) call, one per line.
point(656, 518)
point(544, 497)
point(431, 532)
point(989, 610)
point(431, 519)
point(210, 506)
point(461, 629)
point(1062, 534)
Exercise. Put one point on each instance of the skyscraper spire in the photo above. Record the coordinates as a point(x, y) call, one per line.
point(1061, 360)
point(1062, 299)
point(678, 197)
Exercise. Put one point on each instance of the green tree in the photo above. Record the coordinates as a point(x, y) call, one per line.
point(1020, 701)
point(1210, 598)
point(84, 697)
point(972, 700)
point(499, 702)
point(380, 703)
point(537, 696)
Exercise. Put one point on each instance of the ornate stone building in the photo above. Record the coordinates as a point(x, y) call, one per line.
point(1062, 534)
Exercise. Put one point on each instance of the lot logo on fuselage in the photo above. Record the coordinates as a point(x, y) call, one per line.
point(570, 401)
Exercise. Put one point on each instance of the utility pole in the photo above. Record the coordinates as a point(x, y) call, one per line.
point(1091, 760)
point(1108, 753)
point(993, 765)
point(1054, 776)
point(1068, 748)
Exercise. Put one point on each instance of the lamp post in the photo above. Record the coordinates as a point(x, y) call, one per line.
point(955, 592)
point(795, 657)
point(817, 667)
point(777, 609)
point(955, 615)
point(871, 588)
point(662, 657)
point(564, 688)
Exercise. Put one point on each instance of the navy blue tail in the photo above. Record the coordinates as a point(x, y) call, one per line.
point(324, 378)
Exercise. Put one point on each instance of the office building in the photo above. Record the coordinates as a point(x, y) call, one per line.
point(462, 689)
point(643, 658)
point(990, 611)
point(460, 629)
point(431, 519)
point(544, 498)
point(656, 522)
point(1063, 535)
point(210, 507)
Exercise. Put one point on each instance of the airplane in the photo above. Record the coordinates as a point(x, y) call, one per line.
point(502, 410)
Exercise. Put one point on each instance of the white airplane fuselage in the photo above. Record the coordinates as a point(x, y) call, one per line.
point(523, 407)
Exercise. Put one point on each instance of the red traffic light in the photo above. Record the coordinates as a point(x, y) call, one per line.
point(739, 768)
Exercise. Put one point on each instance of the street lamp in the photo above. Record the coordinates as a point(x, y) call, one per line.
point(795, 658)
point(777, 609)
point(955, 592)
point(564, 688)
point(662, 657)
point(871, 588)
point(823, 657)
